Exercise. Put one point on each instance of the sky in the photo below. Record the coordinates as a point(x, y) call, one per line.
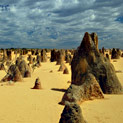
point(60, 23)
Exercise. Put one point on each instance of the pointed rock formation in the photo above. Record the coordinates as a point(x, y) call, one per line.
point(72, 114)
point(4, 55)
point(38, 58)
point(9, 54)
point(68, 58)
point(107, 56)
point(33, 51)
point(66, 71)
point(24, 67)
point(27, 74)
point(60, 57)
point(43, 55)
point(34, 60)
point(37, 84)
point(53, 55)
point(18, 60)
point(92, 69)
point(30, 59)
point(87, 59)
point(13, 74)
point(115, 54)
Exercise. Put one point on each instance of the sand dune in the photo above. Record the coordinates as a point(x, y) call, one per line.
point(21, 104)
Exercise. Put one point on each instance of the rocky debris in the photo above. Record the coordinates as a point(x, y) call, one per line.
point(37, 84)
point(68, 81)
point(72, 114)
point(92, 69)
point(13, 74)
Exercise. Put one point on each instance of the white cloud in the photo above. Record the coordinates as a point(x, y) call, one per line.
point(60, 23)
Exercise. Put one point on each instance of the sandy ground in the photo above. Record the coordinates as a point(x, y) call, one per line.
point(21, 104)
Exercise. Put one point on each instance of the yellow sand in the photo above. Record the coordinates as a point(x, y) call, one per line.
point(21, 104)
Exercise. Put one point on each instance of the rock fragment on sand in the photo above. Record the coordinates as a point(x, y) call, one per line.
point(51, 71)
point(37, 84)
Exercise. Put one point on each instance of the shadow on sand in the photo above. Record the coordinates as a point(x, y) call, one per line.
point(57, 89)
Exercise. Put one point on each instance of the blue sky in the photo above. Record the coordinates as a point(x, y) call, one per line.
point(60, 23)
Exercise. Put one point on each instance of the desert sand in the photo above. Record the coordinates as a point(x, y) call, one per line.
point(21, 104)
